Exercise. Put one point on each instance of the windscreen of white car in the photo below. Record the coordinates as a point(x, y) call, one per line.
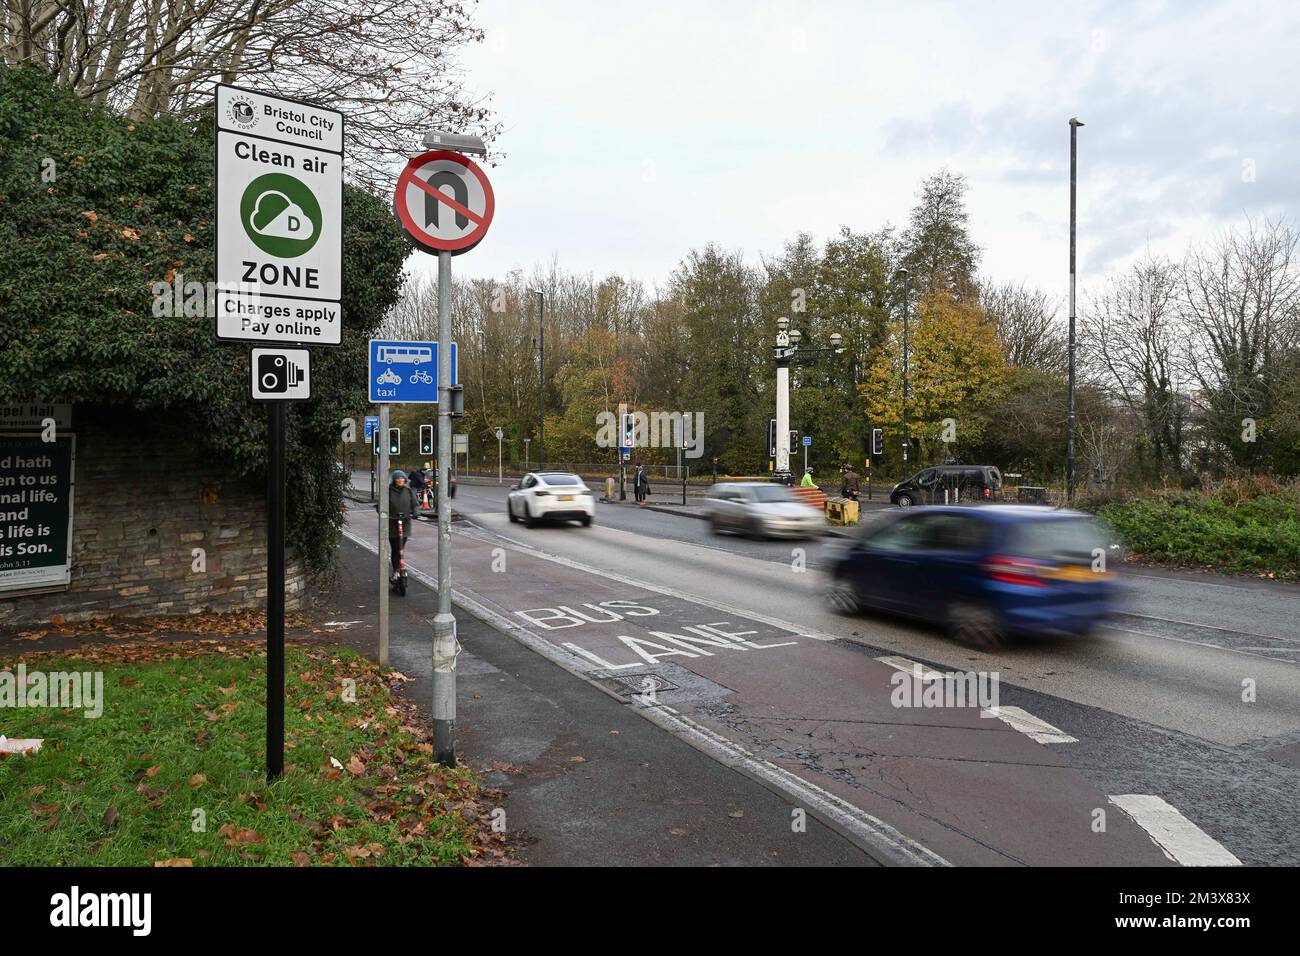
point(767, 494)
point(558, 478)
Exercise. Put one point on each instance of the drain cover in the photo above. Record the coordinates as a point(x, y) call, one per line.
point(640, 683)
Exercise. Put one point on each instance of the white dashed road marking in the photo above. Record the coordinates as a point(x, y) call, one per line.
point(1030, 725)
point(1180, 839)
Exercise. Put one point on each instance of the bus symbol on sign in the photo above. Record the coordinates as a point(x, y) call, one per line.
point(406, 371)
point(406, 352)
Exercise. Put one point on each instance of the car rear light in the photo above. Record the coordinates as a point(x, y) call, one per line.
point(987, 493)
point(1015, 571)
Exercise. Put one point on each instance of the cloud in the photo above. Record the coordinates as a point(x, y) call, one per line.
point(275, 215)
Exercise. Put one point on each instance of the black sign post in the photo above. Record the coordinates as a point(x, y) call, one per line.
point(275, 593)
point(277, 377)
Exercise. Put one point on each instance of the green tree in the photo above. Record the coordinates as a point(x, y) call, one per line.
point(940, 254)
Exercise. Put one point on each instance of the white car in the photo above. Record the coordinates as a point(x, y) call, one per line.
point(761, 510)
point(551, 496)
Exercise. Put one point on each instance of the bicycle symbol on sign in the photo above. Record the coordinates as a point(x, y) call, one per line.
point(421, 377)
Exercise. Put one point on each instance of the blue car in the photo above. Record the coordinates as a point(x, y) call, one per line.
point(984, 573)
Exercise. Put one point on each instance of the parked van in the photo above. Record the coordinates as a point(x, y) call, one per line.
point(959, 482)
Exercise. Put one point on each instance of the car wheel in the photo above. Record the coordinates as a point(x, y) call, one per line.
point(529, 520)
point(842, 598)
point(714, 526)
point(905, 501)
point(975, 626)
point(755, 530)
point(586, 521)
point(510, 511)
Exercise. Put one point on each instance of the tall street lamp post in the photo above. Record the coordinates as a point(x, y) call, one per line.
point(787, 348)
point(907, 359)
point(1070, 422)
point(783, 354)
point(541, 378)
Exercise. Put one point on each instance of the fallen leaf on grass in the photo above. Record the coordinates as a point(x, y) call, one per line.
point(110, 817)
point(355, 766)
point(235, 835)
point(174, 861)
point(198, 780)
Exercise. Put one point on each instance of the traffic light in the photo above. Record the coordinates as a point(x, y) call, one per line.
point(426, 439)
point(627, 431)
point(877, 441)
point(771, 438)
point(394, 441)
point(794, 439)
point(456, 401)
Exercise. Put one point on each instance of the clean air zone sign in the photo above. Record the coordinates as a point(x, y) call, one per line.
point(279, 175)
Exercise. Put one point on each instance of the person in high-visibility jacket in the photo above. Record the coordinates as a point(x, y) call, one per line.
point(808, 479)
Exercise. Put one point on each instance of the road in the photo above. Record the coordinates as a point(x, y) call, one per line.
point(1142, 729)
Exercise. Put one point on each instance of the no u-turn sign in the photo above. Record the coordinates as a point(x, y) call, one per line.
point(444, 202)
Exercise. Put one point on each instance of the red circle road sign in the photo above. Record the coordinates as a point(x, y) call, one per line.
point(438, 221)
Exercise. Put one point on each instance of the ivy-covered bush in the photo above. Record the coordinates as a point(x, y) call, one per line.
point(94, 212)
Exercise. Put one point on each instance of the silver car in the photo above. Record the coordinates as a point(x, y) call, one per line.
point(761, 509)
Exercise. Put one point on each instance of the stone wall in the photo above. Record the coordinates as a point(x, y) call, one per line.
point(142, 502)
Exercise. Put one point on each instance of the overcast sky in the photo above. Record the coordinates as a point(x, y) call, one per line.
point(634, 131)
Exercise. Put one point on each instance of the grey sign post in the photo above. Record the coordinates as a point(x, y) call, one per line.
point(445, 203)
point(500, 434)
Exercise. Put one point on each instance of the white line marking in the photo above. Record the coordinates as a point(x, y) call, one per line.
point(1029, 725)
point(1244, 652)
point(859, 827)
point(1207, 627)
point(1179, 838)
point(909, 667)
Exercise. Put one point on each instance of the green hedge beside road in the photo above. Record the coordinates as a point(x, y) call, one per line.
point(1227, 528)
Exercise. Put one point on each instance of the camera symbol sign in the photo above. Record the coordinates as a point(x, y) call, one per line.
point(280, 374)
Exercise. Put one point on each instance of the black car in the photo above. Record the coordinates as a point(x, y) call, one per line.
point(949, 484)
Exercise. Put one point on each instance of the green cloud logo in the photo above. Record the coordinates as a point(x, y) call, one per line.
point(280, 215)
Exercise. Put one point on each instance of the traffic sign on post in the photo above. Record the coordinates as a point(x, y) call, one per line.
point(444, 202)
point(279, 219)
point(372, 423)
point(406, 371)
point(807, 441)
point(280, 374)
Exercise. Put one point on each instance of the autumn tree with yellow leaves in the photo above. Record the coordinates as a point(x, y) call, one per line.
point(957, 372)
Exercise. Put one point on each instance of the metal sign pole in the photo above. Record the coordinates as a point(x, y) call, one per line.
point(444, 623)
point(275, 593)
point(382, 435)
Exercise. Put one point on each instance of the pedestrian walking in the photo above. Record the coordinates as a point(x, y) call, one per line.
point(401, 507)
point(808, 479)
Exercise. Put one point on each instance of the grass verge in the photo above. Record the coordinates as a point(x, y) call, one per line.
point(173, 772)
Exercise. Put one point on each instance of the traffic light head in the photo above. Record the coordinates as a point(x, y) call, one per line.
point(394, 441)
point(877, 441)
point(426, 439)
